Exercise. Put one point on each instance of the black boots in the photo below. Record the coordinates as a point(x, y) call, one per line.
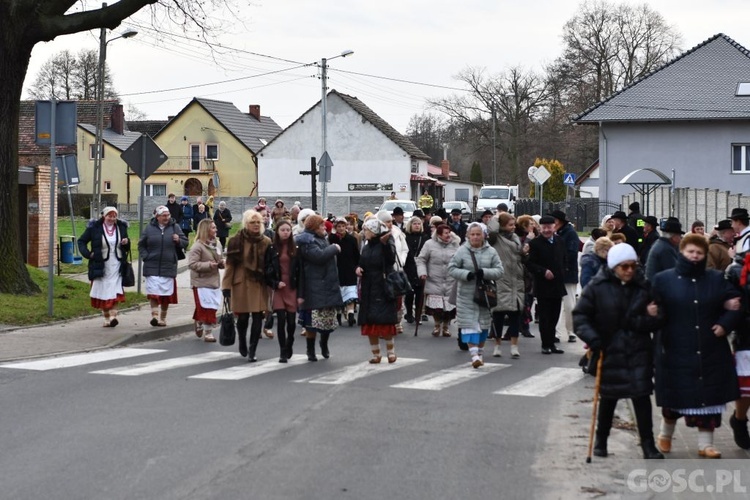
point(650, 452)
point(324, 344)
point(254, 338)
point(739, 429)
point(311, 349)
point(242, 339)
point(600, 444)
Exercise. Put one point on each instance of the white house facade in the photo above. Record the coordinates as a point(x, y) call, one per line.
point(370, 158)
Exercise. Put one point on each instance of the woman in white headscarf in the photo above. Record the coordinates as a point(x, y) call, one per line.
point(107, 261)
point(161, 245)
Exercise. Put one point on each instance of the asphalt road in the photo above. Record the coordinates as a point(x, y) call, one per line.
point(428, 426)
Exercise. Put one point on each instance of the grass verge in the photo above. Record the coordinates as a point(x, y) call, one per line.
point(70, 300)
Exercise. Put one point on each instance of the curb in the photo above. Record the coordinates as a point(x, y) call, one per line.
point(156, 334)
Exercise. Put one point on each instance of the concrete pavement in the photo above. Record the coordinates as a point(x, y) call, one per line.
point(87, 334)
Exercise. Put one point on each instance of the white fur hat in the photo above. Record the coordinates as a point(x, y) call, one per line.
point(619, 254)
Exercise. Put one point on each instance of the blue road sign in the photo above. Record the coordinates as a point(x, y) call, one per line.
point(569, 179)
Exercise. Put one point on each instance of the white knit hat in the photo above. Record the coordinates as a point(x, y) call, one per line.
point(619, 254)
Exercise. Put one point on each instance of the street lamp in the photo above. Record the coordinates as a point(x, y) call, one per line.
point(325, 162)
point(96, 198)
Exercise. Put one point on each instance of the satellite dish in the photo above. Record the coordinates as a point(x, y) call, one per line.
point(530, 173)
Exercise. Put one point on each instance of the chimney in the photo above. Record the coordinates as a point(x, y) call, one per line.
point(118, 119)
point(445, 165)
point(255, 111)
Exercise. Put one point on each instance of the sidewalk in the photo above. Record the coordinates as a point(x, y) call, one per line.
point(87, 334)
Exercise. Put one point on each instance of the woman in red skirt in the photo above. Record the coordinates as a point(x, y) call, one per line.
point(377, 314)
point(285, 287)
point(110, 245)
point(205, 261)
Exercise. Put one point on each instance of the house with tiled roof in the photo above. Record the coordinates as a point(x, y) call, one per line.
point(370, 158)
point(212, 148)
point(691, 116)
point(148, 127)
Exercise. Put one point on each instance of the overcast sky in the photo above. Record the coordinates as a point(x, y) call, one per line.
point(419, 41)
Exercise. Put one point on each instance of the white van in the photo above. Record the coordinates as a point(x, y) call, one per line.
point(491, 196)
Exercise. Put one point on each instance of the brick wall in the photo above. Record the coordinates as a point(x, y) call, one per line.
point(38, 221)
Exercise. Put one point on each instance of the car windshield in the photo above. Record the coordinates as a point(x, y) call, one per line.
point(495, 194)
point(452, 204)
point(407, 206)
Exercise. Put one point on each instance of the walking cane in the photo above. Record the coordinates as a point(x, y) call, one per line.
point(597, 385)
point(420, 308)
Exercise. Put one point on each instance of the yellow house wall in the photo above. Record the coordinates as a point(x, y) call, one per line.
point(114, 169)
point(236, 164)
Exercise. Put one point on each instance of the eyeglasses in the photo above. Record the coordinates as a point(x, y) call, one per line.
point(628, 267)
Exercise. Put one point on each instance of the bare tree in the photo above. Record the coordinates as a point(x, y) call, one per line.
point(23, 24)
point(65, 76)
point(608, 47)
point(516, 96)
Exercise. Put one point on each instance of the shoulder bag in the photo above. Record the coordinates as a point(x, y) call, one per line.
point(227, 330)
point(396, 281)
point(485, 293)
point(128, 275)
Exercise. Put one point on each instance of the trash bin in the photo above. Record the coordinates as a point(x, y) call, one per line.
point(66, 249)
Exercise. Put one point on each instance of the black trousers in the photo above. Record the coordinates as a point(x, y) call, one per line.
point(413, 299)
point(549, 313)
point(642, 407)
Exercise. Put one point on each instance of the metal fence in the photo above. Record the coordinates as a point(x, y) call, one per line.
point(584, 213)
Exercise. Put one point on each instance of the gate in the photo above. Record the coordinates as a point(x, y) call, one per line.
point(584, 213)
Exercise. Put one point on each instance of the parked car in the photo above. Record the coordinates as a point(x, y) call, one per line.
point(407, 206)
point(462, 205)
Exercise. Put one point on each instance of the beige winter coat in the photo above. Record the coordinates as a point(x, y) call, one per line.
point(202, 275)
point(510, 286)
point(433, 261)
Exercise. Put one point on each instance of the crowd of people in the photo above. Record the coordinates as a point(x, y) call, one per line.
point(665, 312)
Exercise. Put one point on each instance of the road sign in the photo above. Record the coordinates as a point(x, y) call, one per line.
point(541, 175)
point(569, 179)
point(66, 122)
point(324, 167)
point(67, 169)
point(530, 172)
point(134, 157)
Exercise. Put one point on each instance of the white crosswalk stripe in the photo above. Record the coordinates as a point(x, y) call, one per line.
point(80, 359)
point(248, 370)
point(544, 383)
point(358, 371)
point(449, 377)
point(168, 364)
point(538, 385)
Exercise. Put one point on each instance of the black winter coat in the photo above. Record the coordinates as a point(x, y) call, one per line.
point(158, 251)
point(631, 237)
point(374, 307)
point(319, 279)
point(415, 242)
point(733, 274)
point(612, 316)
point(98, 255)
point(273, 269)
point(648, 243)
point(348, 260)
point(694, 367)
point(221, 219)
point(662, 256)
point(544, 255)
point(572, 243)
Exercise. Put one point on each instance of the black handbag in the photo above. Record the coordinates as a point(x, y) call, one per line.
point(485, 293)
point(396, 282)
point(128, 274)
point(227, 330)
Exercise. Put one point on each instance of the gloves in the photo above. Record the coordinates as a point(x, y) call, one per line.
point(227, 293)
point(595, 344)
point(470, 276)
point(479, 274)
